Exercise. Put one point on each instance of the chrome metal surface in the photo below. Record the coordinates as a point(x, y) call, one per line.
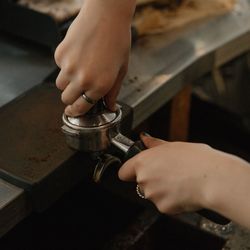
point(95, 132)
point(8, 192)
point(161, 65)
point(92, 121)
point(105, 162)
point(13, 206)
point(92, 132)
point(22, 66)
point(122, 142)
point(98, 116)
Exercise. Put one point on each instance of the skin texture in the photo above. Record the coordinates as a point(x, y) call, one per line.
point(181, 177)
point(94, 55)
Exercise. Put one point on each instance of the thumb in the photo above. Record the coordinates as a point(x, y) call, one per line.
point(151, 142)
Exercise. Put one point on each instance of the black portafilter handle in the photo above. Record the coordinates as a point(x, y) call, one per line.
point(138, 147)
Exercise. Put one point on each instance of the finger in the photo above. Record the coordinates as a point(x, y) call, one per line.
point(127, 171)
point(58, 55)
point(151, 142)
point(111, 97)
point(62, 80)
point(72, 93)
point(81, 106)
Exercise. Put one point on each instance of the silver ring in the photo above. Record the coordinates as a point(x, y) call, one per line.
point(88, 99)
point(139, 192)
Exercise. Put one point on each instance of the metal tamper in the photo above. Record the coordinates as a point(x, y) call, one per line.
point(97, 131)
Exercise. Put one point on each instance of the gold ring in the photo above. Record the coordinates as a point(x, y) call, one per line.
point(88, 99)
point(139, 192)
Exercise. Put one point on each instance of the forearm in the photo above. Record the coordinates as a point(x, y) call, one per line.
point(230, 190)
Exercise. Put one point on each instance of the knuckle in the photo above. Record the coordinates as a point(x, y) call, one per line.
point(140, 179)
point(138, 161)
point(101, 89)
point(58, 55)
point(162, 208)
point(168, 208)
point(69, 68)
point(59, 84)
point(65, 99)
point(84, 80)
point(204, 146)
point(149, 195)
point(77, 107)
point(104, 84)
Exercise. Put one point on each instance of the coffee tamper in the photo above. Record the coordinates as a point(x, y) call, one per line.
point(96, 132)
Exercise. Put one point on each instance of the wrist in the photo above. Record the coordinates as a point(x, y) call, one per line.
point(226, 181)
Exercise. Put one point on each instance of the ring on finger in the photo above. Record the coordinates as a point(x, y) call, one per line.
point(88, 99)
point(140, 192)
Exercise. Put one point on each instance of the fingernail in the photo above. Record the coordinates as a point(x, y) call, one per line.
point(68, 111)
point(145, 134)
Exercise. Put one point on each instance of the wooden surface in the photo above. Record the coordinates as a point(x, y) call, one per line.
point(179, 117)
point(151, 20)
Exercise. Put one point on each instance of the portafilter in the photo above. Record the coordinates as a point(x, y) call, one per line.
point(96, 131)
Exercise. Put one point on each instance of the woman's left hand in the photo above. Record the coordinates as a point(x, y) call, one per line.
point(176, 176)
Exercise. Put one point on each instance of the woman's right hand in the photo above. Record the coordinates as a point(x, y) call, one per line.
point(94, 55)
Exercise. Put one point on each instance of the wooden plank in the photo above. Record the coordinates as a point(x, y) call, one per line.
point(179, 116)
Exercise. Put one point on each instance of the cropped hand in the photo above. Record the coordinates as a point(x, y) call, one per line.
point(181, 177)
point(94, 55)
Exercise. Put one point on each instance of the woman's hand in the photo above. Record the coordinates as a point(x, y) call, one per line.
point(170, 174)
point(180, 177)
point(94, 55)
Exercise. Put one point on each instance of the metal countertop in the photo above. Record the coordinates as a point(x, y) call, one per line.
point(159, 67)
point(163, 64)
point(22, 66)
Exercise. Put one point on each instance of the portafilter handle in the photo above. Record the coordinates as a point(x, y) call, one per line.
point(131, 148)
